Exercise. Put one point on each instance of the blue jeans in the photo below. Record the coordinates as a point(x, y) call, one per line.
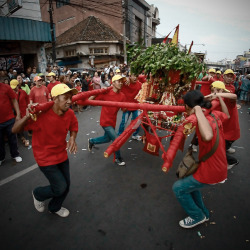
point(59, 179)
point(5, 129)
point(109, 135)
point(125, 117)
point(187, 192)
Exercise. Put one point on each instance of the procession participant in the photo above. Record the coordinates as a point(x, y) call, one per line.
point(244, 89)
point(39, 93)
point(50, 148)
point(218, 76)
point(109, 116)
point(96, 81)
point(211, 171)
point(232, 127)
point(52, 80)
point(130, 90)
point(209, 77)
point(23, 102)
point(7, 118)
point(23, 85)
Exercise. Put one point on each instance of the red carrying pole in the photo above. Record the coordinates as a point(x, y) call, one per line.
point(129, 105)
point(119, 141)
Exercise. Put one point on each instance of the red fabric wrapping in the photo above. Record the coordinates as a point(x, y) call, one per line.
point(152, 145)
point(205, 87)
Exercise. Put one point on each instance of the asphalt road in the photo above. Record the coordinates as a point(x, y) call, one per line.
point(130, 207)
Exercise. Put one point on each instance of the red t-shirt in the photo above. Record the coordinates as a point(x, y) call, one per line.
point(23, 101)
point(51, 85)
point(49, 136)
point(6, 109)
point(39, 95)
point(109, 114)
point(214, 169)
point(232, 127)
point(130, 91)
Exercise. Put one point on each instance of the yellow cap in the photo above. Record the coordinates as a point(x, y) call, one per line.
point(212, 71)
point(51, 74)
point(61, 89)
point(219, 85)
point(228, 71)
point(117, 71)
point(218, 72)
point(117, 77)
point(13, 83)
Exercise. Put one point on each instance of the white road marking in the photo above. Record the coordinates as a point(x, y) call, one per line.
point(17, 175)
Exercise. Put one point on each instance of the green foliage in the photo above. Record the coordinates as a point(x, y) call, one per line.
point(160, 58)
point(133, 51)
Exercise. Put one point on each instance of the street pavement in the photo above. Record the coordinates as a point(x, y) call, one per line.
point(114, 207)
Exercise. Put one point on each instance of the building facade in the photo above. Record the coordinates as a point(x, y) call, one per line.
point(134, 18)
point(23, 35)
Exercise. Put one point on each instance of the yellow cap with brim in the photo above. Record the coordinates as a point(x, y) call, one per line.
point(117, 77)
point(13, 83)
point(218, 72)
point(228, 71)
point(61, 89)
point(219, 85)
point(51, 74)
point(117, 71)
point(211, 71)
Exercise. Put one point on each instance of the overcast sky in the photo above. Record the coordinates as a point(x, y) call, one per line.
point(222, 25)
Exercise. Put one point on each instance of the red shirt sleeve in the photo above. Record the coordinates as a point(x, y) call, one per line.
point(73, 124)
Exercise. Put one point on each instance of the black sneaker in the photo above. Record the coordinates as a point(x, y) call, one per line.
point(120, 161)
point(90, 145)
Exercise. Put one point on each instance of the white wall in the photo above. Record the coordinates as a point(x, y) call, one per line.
point(30, 10)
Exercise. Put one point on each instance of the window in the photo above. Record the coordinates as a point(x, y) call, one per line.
point(98, 51)
point(60, 3)
point(69, 53)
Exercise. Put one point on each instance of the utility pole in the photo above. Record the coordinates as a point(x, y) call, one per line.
point(52, 31)
point(124, 30)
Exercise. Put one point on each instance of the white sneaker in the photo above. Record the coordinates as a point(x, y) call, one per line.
point(2, 162)
point(137, 137)
point(231, 150)
point(18, 159)
point(39, 205)
point(63, 212)
point(232, 165)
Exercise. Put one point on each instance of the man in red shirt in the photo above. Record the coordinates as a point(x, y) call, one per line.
point(130, 90)
point(23, 102)
point(232, 127)
point(218, 76)
point(109, 116)
point(211, 171)
point(53, 82)
point(39, 93)
point(210, 76)
point(7, 119)
point(50, 148)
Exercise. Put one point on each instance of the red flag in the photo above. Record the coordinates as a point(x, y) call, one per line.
point(191, 45)
point(166, 38)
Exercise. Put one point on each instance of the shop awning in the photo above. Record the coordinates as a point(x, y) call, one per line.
point(13, 28)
